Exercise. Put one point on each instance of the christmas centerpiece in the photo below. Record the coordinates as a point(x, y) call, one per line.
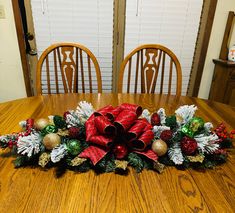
point(112, 138)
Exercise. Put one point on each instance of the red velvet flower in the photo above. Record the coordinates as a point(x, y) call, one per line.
point(188, 145)
point(74, 132)
point(166, 135)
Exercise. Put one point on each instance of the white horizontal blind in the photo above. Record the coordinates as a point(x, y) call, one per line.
point(88, 22)
point(172, 23)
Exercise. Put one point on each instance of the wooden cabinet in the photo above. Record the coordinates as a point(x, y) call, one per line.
point(223, 82)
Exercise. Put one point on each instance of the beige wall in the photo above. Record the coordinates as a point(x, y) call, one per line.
point(223, 7)
point(11, 74)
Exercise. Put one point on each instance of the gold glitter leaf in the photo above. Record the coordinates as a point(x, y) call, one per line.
point(63, 132)
point(121, 164)
point(198, 158)
point(77, 161)
point(158, 166)
point(44, 159)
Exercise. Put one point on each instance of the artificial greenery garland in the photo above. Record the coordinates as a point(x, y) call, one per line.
point(180, 140)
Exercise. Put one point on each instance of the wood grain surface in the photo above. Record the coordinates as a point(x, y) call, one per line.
point(37, 190)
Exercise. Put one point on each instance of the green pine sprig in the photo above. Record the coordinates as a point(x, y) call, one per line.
point(59, 121)
point(20, 161)
point(106, 164)
point(171, 121)
point(136, 161)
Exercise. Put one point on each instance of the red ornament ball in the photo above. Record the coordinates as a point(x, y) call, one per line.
point(188, 145)
point(166, 135)
point(74, 132)
point(120, 151)
point(155, 119)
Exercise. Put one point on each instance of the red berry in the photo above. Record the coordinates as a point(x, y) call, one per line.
point(10, 144)
point(29, 123)
point(233, 132)
point(65, 114)
point(27, 133)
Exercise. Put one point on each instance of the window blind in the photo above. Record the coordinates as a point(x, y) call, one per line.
point(89, 23)
point(171, 23)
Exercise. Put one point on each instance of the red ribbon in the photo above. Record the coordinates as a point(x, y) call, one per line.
point(113, 124)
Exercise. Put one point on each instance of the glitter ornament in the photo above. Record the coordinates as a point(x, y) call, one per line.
point(159, 147)
point(51, 140)
point(74, 147)
point(41, 123)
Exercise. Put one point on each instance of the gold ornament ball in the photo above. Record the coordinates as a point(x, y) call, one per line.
point(41, 123)
point(51, 140)
point(159, 147)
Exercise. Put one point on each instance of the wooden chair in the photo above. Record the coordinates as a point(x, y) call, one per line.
point(68, 68)
point(150, 61)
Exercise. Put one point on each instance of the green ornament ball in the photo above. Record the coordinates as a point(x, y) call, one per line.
point(74, 147)
point(196, 124)
point(49, 129)
point(59, 121)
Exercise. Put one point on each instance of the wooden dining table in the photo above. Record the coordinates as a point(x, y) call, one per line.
point(33, 189)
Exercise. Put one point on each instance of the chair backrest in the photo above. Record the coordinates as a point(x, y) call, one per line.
point(148, 62)
point(67, 68)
